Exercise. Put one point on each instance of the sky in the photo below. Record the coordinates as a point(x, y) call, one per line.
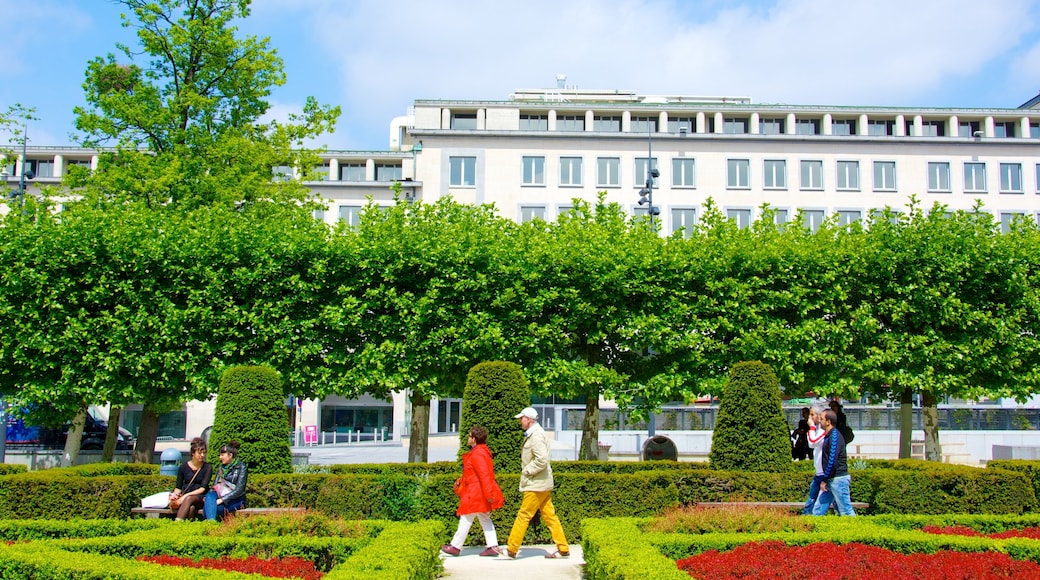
point(374, 58)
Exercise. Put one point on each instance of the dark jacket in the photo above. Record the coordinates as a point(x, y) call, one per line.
point(188, 481)
point(835, 463)
point(233, 477)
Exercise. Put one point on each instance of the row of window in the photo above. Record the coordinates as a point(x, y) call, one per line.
point(462, 173)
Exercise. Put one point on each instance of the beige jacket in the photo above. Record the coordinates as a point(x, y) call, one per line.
point(536, 473)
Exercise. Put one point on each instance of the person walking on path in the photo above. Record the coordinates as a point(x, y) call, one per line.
point(478, 493)
point(836, 485)
point(536, 484)
point(815, 439)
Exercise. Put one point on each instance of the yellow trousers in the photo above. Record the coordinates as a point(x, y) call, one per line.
point(537, 501)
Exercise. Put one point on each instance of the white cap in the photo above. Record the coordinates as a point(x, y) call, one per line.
point(528, 412)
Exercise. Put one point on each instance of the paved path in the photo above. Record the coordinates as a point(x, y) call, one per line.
point(530, 564)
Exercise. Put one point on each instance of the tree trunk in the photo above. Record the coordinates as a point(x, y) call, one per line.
point(930, 420)
point(590, 430)
point(906, 422)
point(419, 440)
point(111, 435)
point(144, 448)
point(75, 438)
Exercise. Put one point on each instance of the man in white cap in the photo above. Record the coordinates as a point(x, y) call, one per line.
point(536, 483)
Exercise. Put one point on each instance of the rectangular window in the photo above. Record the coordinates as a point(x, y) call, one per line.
point(1034, 130)
point(462, 171)
point(771, 126)
point(683, 172)
point(781, 216)
point(532, 212)
point(1004, 129)
point(388, 173)
point(741, 216)
point(938, 176)
point(812, 219)
point(884, 176)
point(464, 121)
point(843, 127)
point(738, 174)
point(644, 124)
point(683, 219)
point(640, 174)
point(734, 126)
point(881, 128)
point(1010, 178)
point(678, 124)
point(608, 172)
point(775, 174)
point(847, 217)
point(41, 167)
point(968, 128)
point(1007, 218)
point(933, 129)
point(848, 175)
point(564, 209)
point(570, 123)
point(534, 171)
point(975, 177)
point(812, 174)
point(529, 122)
point(350, 214)
point(807, 127)
point(570, 171)
point(352, 172)
point(606, 124)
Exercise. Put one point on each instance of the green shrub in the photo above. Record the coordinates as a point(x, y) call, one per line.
point(751, 433)
point(1030, 469)
point(495, 392)
point(251, 409)
point(614, 549)
point(948, 490)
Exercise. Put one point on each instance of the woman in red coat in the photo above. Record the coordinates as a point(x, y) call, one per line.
point(478, 494)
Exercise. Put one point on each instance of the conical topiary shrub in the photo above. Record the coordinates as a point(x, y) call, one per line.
point(495, 392)
point(251, 410)
point(751, 433)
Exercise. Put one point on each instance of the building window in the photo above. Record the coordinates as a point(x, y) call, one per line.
point(781, 216)
point(771, 126)
point(848, 175)
point(807, 127)
point(683, 219)
point(41, 167)
point(968, 128)
point(812, 174)
point(734, 126)
point(881, 128)
point(530, 122)
point(975, 177)
point(775, 174)
point(318, 215)
point(352, 172)
point(640, 174)
point(281, 173)
point(606, 124)
point(534, 171)
point(350, 214)
point(738, 174)
point(644, 124)
point(531, 213)
point(683, 172)
point(1034, 130)
point(388, 173)
point(608, 172)
point(812, 219)
point(843, 127)
point(570, 123)
point(848, 217)
point(464, 121)
point(563, 209)
point(1007, 218)
point(1010, 178)
point(938, 176)
point(933, 129)
point(462, 171)
point(570, 171)
point(677, 125)
point(1004, 129)
point(741, 216)
point(884, 176)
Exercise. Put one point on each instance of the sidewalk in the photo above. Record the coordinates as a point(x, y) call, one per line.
point(531, 563)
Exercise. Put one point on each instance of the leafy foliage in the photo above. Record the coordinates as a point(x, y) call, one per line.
point(495, 393)
point(751, 432)
point(251, 409)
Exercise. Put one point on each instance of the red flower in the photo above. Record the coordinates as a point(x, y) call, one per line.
point(291, 567)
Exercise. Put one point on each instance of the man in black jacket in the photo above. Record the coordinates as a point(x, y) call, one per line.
point(836, 485)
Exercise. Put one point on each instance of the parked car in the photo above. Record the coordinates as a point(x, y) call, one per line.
point(19, 434)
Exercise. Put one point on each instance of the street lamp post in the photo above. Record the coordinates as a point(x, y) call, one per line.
point(646, 197)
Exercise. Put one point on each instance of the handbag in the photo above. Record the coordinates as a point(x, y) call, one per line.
point(176, 502)
point(157, 500)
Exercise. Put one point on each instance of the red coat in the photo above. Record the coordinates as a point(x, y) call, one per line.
point(477, 485)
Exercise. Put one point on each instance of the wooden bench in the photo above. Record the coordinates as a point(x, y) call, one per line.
point(168, 513)
point(791, 505)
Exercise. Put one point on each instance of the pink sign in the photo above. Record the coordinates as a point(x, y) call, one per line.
point(310, 434)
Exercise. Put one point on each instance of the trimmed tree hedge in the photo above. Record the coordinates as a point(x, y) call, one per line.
point(495, 392)
point(751, 433)
point(251, 410)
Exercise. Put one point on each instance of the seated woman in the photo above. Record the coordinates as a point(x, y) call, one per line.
point(192, 482)
point(228, 493)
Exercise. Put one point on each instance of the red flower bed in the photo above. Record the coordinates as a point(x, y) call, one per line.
point(773, 560)
point(291, 567)
point(1031, 533)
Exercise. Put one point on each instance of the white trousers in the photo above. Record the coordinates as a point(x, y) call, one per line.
point(466, 520)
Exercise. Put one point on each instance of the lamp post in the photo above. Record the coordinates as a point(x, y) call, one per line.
point(646, 197)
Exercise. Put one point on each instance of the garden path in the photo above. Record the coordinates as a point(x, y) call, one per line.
point(530, 564)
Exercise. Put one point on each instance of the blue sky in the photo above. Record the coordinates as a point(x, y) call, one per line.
point(375, 57)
